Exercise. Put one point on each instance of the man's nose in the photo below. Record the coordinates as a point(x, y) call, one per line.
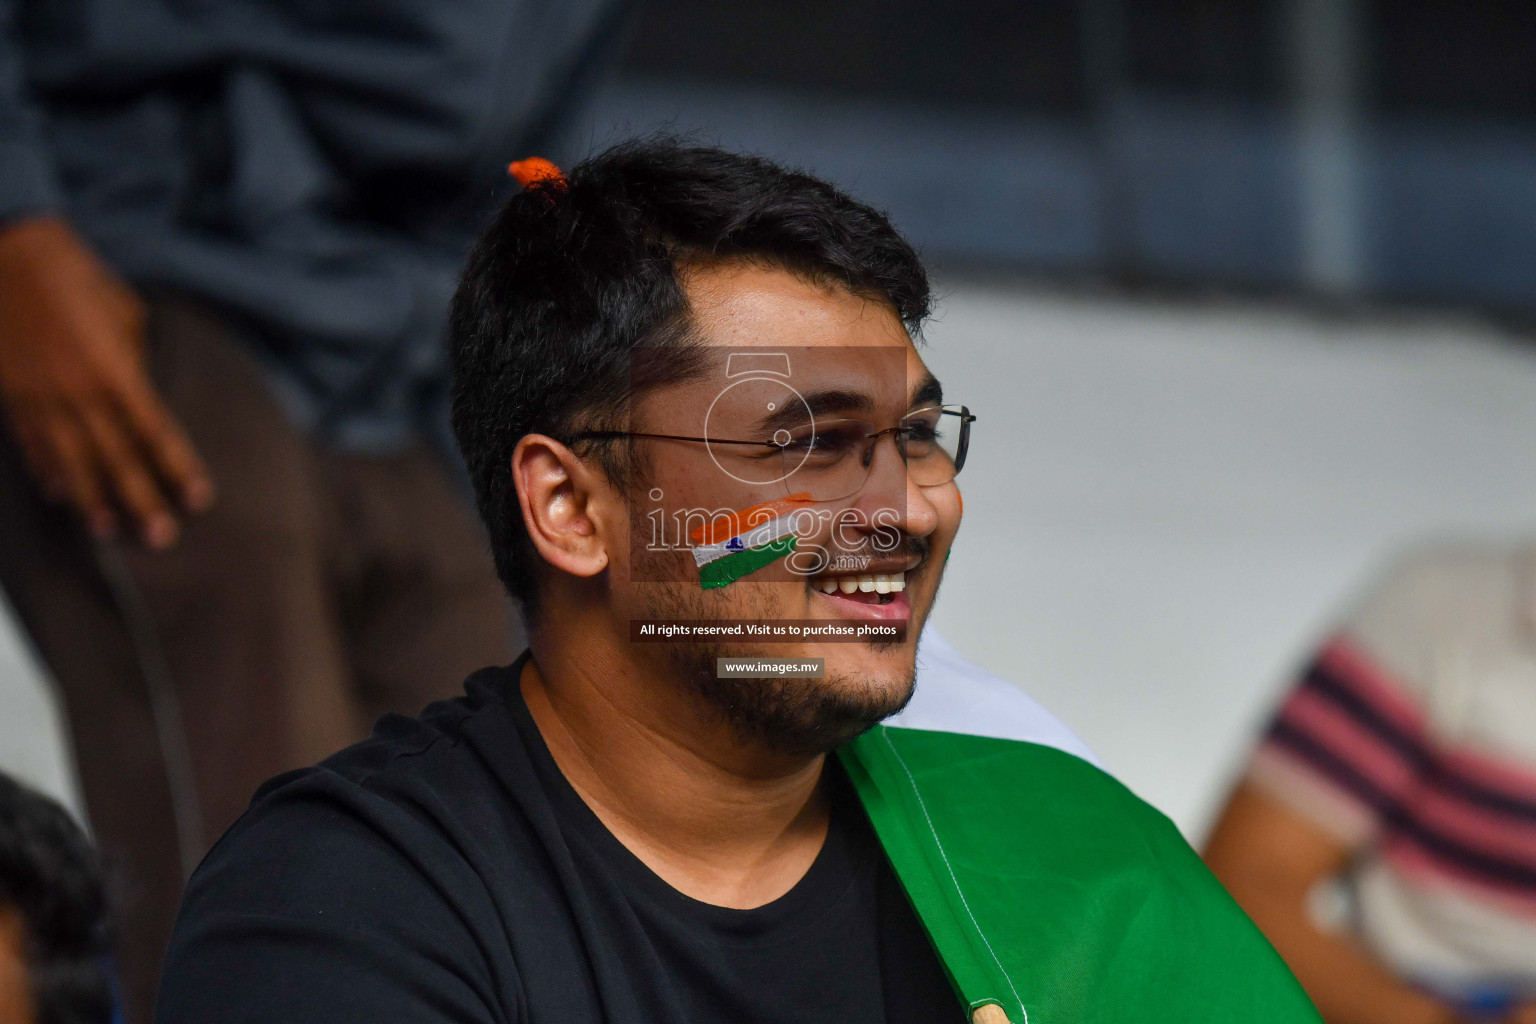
point(890, 488)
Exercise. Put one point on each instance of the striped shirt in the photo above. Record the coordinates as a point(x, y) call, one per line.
point(1411, 738)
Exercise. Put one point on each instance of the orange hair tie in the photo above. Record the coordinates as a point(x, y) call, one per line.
point(535, 169)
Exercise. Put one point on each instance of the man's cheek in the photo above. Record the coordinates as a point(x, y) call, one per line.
point(886, 536)
point(809, 559)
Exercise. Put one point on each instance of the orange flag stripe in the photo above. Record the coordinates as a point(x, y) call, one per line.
point(727, 526)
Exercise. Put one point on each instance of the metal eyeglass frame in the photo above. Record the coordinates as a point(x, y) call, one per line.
point(962, 446)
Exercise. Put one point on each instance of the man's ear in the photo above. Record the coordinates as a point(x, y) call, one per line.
point(560, 498)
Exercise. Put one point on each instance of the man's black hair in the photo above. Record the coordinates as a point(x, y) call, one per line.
point(49, 875)
point(571, 276)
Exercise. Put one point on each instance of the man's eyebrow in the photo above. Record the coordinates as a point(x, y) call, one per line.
point(928, 392)
point(821, 403)
point(845, 400)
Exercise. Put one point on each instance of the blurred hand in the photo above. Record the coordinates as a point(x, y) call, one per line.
point(74, 388)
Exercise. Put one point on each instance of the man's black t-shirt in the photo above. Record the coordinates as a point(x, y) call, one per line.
point(445, 870)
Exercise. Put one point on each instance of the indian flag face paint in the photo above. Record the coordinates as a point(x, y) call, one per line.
point(732, 546)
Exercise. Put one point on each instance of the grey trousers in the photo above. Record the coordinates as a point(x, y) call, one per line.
point(322, 590)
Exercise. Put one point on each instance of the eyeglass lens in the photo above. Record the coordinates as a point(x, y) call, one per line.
point(832, 459)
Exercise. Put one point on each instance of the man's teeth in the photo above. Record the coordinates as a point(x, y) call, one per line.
point(878, 583)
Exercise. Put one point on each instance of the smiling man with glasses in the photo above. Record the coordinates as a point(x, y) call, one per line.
point(721, 480)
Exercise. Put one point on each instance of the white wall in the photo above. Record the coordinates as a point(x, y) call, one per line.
point(1164, 505)
point(32, 746)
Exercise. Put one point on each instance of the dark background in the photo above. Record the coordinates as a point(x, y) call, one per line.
point(1336, 148)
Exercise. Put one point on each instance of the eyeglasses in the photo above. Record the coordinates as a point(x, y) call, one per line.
point(831, 459)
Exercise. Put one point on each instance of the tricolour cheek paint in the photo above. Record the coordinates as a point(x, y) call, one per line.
point(735, 545)
point(732, 567)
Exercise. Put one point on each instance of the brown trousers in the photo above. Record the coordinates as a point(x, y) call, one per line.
point(322, 590)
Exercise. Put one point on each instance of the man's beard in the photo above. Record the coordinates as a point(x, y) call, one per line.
point(798, 716)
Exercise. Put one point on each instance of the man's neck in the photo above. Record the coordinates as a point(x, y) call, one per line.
point(724, 823)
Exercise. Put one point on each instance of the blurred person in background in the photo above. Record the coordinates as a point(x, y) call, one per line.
point(1399, 779)
point(54, 955)
point(228, 236)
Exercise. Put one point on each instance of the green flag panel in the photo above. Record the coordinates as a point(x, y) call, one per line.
point(1052, 891)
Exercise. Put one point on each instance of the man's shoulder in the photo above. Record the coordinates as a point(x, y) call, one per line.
point(405, 749)
point(363, 883)
point(402, 794)
point(379, 855)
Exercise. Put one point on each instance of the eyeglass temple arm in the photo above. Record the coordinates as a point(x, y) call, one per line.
point(606, 435)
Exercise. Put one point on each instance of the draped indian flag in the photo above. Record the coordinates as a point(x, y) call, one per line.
point(740, 543)
point(1053, 895)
